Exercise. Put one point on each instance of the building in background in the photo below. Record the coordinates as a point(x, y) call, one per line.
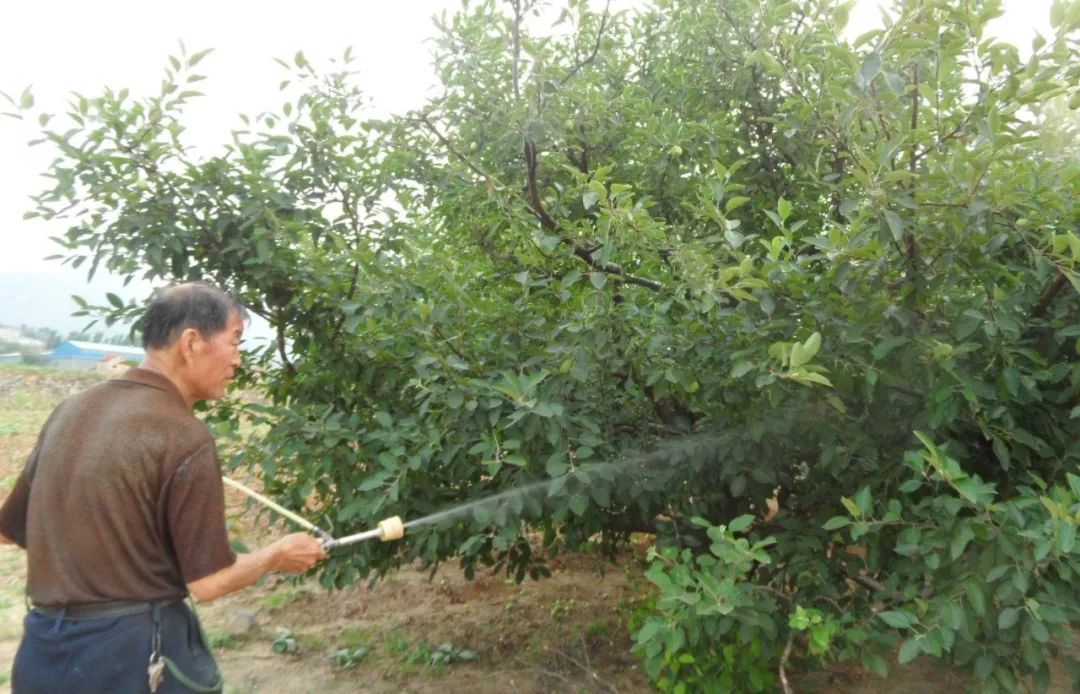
point(14, 337)
point(105, 358)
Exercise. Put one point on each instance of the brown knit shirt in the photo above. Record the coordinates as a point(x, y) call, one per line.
point(121, 498)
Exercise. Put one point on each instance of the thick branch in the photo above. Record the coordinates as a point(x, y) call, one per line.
point(289, 368)
point(536, 206)
point(1048, 296)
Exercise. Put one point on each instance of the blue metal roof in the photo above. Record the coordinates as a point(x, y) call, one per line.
point(74, 349)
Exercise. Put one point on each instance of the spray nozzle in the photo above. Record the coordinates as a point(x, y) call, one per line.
point(392, 529)
point(388, 529)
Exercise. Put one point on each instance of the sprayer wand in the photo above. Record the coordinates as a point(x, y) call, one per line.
point(389, 529)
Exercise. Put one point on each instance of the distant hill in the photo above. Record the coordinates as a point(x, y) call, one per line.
point(43, 299)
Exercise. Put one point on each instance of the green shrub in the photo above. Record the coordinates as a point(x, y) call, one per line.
point(660, 266)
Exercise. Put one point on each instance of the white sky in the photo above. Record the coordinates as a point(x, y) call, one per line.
point(70, 45)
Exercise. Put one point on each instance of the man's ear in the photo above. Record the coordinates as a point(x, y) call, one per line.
point(189, 340)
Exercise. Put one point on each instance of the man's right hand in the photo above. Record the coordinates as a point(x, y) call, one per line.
point(293, 553)
point(297, 553)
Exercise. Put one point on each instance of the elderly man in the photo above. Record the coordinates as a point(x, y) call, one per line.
point(121, 511)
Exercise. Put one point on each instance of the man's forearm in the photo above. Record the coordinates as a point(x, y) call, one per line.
point(247, 569)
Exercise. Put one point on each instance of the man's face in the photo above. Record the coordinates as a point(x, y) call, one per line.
point(216, 359)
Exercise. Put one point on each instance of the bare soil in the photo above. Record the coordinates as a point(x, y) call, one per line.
point(563, 634)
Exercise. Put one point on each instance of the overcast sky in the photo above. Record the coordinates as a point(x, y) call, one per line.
point(64, 46)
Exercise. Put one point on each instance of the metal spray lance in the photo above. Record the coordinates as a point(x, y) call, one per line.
point(388, 529)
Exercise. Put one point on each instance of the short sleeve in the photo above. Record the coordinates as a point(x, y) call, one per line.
point(195, 512)
point(13, 512)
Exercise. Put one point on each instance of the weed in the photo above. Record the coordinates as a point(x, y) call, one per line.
point(283, 597)
point(396, 644)
point(532, 652)
point(347, 658)
point(596, 629)
point(436, 659)
point(562, 607)
point(221, 640)
point(354, 637)
point(310, 642)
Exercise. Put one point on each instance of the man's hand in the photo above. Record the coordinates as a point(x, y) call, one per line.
point(297, 553)
point(292, 553)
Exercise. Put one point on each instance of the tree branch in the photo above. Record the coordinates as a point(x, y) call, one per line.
point(596, 48)
point(516, 4)
point(536, 206)
point(445, 142)
point(1048, 296)
point(784, 660)
point(289, 368)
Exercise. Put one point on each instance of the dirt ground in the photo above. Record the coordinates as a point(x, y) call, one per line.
point(563, 634)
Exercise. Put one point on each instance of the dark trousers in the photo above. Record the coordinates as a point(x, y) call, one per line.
point(66, 656)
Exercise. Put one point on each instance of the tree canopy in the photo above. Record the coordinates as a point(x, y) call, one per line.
point(803, 308)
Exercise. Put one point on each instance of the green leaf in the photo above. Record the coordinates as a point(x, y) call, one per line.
point(741, 523)
point(589, 199)
point(851, 507)
point(961, 537)
point(741, 369)
point(783, 208)
point(864, 501)
point(198, 56)
point(875, 664)
point(910, 486)
point(775, 218)
point(975, 596)
point(887, 346)
point(735, 203)
point(1038, 630)
point(1008, 617)
point(896, 225)
point(798, 356)
point(811, 346)
point(836, 522)
point(968, 488)
point(814, 378)
point(871, 67)
point(897, 619)
point(909, 649)
point(578, 503)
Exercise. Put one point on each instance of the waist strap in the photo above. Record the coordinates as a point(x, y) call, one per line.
point(99, 610)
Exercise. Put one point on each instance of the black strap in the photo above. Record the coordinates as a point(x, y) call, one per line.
point(173, 668)
point(96, 610)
